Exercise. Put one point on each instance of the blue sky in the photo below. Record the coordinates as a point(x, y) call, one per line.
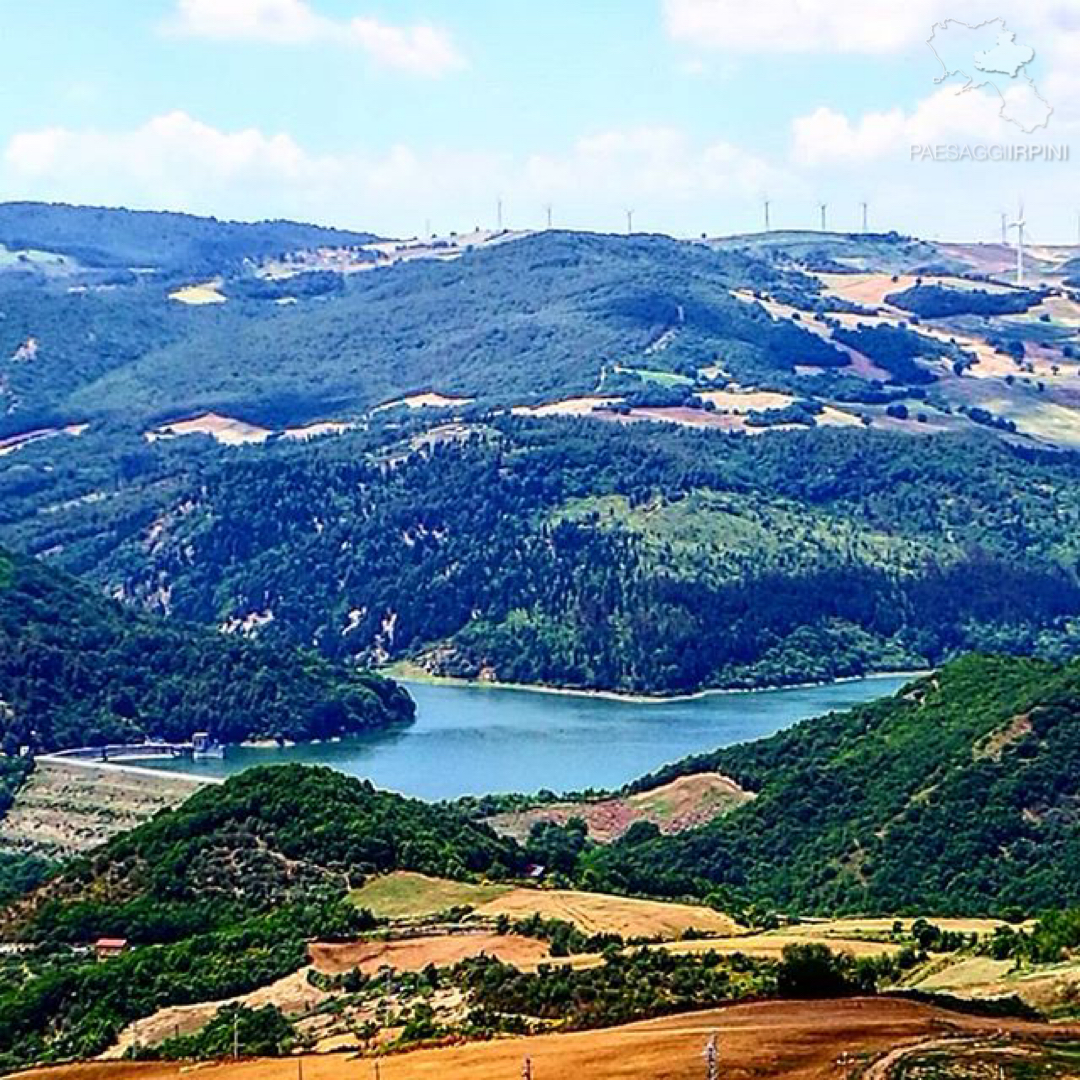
point(387, 114)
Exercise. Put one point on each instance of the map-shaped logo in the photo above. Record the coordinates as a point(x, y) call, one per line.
point(987, 56)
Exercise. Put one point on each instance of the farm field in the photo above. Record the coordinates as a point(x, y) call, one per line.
point(405, 895)
point(416, 953)
point(68, 808)
point(593, 913)
point(798, 1040)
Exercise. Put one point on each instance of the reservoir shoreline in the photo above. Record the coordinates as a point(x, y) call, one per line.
point(477, 739)
point(406, 673)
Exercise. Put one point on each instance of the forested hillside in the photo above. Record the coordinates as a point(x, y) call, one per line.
point(77, 669)
point(898, 504)
point(104, 237)
point(543, 317)
point(958, 795)
point(582, 554)
point(217, 897)
point(268, 836)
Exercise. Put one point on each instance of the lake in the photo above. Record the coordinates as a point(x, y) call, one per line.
point(476, 739)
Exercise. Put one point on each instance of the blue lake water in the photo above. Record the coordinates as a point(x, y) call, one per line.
point(474, 739)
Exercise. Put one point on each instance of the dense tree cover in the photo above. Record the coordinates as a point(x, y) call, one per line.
point(76, 669)
point(584, 554)
point(1055, 937)
point(20, 873)
point(71, 1006)
point(268, 836)
point(957, 795)
point(538, 318)
point(105, 237)
point(13, 771)
point(652, 982)
point(76, 338)
point(940, 301)
point(895, 349)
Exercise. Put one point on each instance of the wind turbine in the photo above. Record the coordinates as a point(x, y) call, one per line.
point(766, 203)
point(1004, 228)
point(629, 221)
point(548, 209)
point(498, 215)
point(1019, 225)
point(823, 206)
point(865, 216)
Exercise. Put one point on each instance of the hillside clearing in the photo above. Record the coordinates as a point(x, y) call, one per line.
point(223, 429)
point(66, 808)
point(429, 400)
point(199, 295)
point(406, 895)
point(576, 406)
point(683, 804)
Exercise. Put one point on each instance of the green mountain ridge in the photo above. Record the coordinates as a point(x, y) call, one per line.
point(117, 238)
point(77, 669)
point(616, 551)
point(584, 555)
point(956, 796)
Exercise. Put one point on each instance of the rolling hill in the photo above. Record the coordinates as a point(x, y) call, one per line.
point(117, 239)
point(77, 669)
point(688, 425)
point(958, 795)
point(582, 554)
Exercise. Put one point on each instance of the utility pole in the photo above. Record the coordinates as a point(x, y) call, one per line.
point(236, 1036)
point(712, 1059)
point(299, 1068)
point(526, 1069)
point(377, 1073)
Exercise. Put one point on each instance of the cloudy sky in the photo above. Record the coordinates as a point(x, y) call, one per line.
point(392, 114)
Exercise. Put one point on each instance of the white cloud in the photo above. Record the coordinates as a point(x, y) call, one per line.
point(827, 137)
point(177, 162)
point(420, 49)
point(794, 26)
point(845, 26)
